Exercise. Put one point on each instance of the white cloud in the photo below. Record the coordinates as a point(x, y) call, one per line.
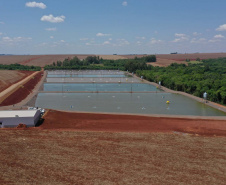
point(7, 39)
point(139, 43)
point(62, 41)
point(214, 40)
point(88, 44)
point(221, 28)
point(110, 39)
point(51, 37)
point(195, 40)
point(122, 42)
point(106, 43)
point(52, 19)
point(35, 5)
point(51, 29)
point(102, 34)
point(2, 22)
point(15, 40)
point(180, 37)
point(83, 39)
point(219, 36)
point(1, 33)
point(154, 41)
point(142, 38)
point(124, 3)
point(196, 34)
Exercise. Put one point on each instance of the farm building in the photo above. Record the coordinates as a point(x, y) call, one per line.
point(14, 118)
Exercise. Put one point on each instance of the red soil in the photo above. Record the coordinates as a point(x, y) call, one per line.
point(23, 91)
point(22, 126)
point(5, 83)
point(57, 120)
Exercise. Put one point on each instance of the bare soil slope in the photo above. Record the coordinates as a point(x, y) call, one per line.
point(8, 77)
point(22, 91)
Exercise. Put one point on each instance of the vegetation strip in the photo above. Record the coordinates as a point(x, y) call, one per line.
point(208, 76)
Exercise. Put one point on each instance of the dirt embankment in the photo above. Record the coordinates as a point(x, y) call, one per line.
point(23, 91)
point(9, 77)
point(130, 123)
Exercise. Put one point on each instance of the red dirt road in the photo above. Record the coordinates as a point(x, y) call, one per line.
point(57, 120)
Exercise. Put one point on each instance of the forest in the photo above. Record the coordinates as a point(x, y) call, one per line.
point(96, 63)
point(207, 76)
point(19, 67)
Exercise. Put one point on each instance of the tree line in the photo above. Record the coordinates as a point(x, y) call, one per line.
point(208, 76)
point(97, 63)
point(19, 67)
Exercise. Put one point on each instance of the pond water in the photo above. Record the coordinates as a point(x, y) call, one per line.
point(85, 76)
point(93, 87)
point(87, 72)
point(91, 80)
point(138, 103)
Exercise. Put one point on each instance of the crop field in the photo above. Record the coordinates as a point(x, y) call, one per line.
point(183, 57)
point(161, 62)
point(36, 60)
point(112, 57)
point(8, 77)
point(194, 56)
point(162, 59)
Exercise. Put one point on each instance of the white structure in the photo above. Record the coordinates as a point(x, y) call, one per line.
point(15, 117)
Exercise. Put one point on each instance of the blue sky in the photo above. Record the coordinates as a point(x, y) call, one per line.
point(112, 26)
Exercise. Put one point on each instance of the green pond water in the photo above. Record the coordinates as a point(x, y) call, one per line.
point(85, 76)
point(137, 103)
point(93, 80)
point(93, 87)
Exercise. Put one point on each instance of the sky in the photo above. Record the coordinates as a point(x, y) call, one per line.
point(112, 26)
